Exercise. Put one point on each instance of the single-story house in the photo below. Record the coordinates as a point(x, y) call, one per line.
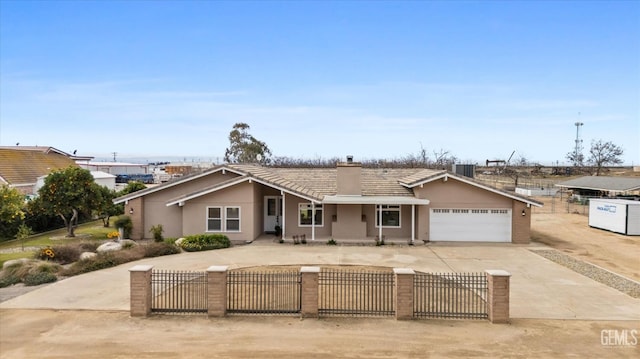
point(347, 202)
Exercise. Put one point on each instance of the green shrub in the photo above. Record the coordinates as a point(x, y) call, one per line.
point(159, 249)
point(157, 232)
point(204, 242)
point(66, 254)
point(332, 242)
point(8, 280)
point(125, 223)
point(101, 261)
point(170, 240)
point(39, 278)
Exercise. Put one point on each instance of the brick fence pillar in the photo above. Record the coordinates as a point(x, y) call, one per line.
point(140, 290)
point(404, 293)
point(498, 295)
point(309, 298)
point(217, 291)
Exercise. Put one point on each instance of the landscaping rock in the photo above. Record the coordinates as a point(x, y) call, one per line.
point(109, 246)
point(179, 241)
point(87, 255)
point(14, 261)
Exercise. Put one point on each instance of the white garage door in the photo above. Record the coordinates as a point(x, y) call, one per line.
point(470, 225)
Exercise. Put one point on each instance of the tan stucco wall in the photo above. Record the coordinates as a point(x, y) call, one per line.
point(291, 221)
point(349, 224)
point(137, 219)
point(156, 211)
point(349, 180)
point(194, 218)
point(457, 194)
point(520, 225)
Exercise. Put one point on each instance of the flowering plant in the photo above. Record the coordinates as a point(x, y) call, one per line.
point(47, 253)
point(112, 235)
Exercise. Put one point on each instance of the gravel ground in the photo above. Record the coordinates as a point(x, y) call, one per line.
point(594, 272)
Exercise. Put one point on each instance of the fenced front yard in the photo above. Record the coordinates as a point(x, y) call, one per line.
point(321, 292)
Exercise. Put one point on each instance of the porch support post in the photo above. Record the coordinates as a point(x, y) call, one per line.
point(413, 223)
point(313, 221)
point(284, 214)
point(380, 223)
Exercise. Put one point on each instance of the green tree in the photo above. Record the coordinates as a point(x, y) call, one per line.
point(12, 211)
point(104, 207)
point(244, 148)
point(66, 192)
point(604, 153)
point(132, 186)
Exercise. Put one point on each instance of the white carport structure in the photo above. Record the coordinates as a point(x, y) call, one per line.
point(380, 201)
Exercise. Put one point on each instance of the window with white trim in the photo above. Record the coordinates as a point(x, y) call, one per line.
point(232, 219)
point(214, 219)
point(305, 213)
point(390, 216)
point(225, 219)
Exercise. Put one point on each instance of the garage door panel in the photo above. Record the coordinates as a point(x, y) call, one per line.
point(470, 225)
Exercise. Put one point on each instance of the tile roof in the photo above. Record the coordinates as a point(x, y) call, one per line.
point(24, 166)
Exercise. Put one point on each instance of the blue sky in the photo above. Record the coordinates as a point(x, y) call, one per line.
point(314, 79)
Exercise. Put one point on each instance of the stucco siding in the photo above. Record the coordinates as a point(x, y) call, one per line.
point(241, 195)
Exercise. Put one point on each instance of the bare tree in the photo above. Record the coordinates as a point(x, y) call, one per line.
point(604, 153)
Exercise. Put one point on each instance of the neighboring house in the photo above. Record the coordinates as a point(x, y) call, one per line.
point(101, 178)
point(20, 166)
point(602, 186)
point(347, 202)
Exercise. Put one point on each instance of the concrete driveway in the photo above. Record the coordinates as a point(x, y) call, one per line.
point(539, 288)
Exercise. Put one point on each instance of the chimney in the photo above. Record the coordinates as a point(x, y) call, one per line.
point(349, 178)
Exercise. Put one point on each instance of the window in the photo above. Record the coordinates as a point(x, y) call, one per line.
point(305, 212)
point(214, 219)
point(233, 219)
point(390, 216)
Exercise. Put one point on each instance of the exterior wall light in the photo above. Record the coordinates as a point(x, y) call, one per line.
point(131, 211)
point(524, 213)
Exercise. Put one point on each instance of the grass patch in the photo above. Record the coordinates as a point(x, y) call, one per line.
point(86, 232)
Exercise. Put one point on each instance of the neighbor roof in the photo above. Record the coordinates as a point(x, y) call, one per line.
point(23, 165)
point(603, 183)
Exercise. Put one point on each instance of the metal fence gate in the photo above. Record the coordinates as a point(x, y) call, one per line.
point(356, 293)
point(264, 292)
point(178, 291)
point(450, 295)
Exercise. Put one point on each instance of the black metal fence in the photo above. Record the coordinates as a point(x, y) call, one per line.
point(264, 292)
point(450, 295)
point(356, 293)
point(178, 291)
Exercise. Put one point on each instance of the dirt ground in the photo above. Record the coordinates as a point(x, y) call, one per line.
point(571, 234)
point(90, 334)
point(101, 334)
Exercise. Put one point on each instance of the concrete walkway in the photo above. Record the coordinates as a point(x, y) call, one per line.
point(539, 288)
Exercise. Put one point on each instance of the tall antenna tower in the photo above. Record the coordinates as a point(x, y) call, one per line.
point(577, 158)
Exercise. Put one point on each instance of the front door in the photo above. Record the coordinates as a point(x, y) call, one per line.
point(272, 213)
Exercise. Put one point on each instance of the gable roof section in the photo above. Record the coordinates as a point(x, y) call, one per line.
point(173, 183)
point(23, 166)
point(603, 183)
point(414, 181)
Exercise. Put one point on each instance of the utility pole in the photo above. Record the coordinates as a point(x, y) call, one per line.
point(114, 156)
point(577, 158)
